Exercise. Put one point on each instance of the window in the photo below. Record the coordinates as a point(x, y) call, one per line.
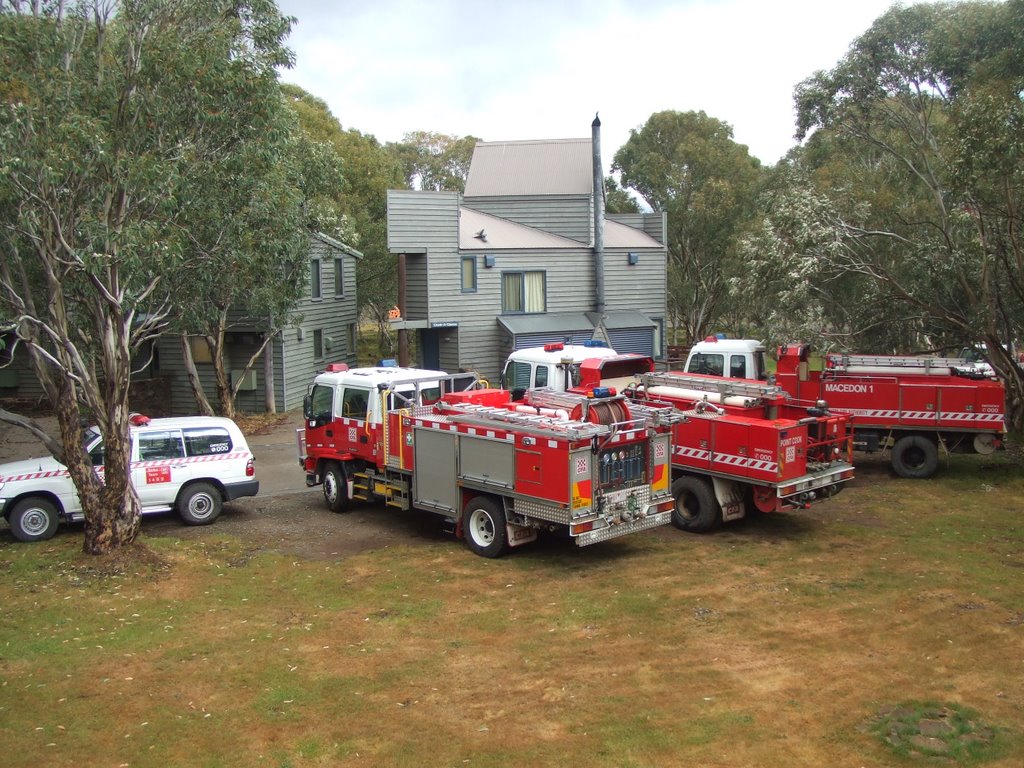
point(468, 274)
point(339, 277)
point(517, 375)
point(318, 344)
point(154, 446)
point(354, 402)
point(353, 339)
point(737, 367)
point(523, 292)
point(316, 279)
point(321, 403)
point(540, 378)
point(713, 365)
point(207, 441)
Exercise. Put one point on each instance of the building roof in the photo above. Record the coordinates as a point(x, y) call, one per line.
point(554, 322)
point(480, 231)
point(331, 242)
point(550, 167)
point(619, 235)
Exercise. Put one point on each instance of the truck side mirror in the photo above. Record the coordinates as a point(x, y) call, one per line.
point(307, 407)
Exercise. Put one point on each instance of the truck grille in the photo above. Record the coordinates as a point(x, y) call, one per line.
point(623, 465)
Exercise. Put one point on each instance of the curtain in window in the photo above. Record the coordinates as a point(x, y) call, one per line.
point(512, 292)
point(534, 292)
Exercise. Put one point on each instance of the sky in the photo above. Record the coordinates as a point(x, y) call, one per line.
point(504, 70)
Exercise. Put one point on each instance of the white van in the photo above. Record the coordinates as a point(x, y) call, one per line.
point(191, 464)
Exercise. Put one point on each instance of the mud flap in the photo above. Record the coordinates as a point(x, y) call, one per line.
point(730, 498)
point(520, 534)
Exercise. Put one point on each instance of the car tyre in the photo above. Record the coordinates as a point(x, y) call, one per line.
point(199, 504)
point(336, 488)
point(484, 526)
point(696, 509)
point(915, 457)
point(34, 519)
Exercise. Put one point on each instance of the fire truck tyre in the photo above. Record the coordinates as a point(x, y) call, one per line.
point(915, 456)
point(34, 519)
point(483, 525)
point(199, 504)
point(336, 488)
point(696, 509)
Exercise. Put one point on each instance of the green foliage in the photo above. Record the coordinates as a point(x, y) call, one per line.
point(141, 148)
point(435, 161)
point(915, 154)
point(687, 164)
point(369, 170)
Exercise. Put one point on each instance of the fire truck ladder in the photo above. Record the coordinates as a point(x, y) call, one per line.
point(725, 387)
point(931, 365)
point(486, 415)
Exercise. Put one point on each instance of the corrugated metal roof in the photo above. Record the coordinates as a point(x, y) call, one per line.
point(618, 235)
point(550, 167)
point(498, 233)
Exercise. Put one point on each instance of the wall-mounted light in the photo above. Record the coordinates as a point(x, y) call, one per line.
point(633, 259)
point(488, 260)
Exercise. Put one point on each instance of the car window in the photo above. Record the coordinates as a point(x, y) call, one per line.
point(321, 403)
point(354, 402)
point(160, 445)
point(713, 365)
point(737, 366)
point(517, 375)
point(96, 453)
point(540, 378)
point(207, 441)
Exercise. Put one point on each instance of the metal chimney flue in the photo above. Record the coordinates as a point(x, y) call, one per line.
point(595, 140)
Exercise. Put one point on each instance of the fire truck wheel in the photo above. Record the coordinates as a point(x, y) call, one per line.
point(696, 509)
point(34, 519)
point(199, 504)
point(483, 525)
point(336, 488)
point(915, 456)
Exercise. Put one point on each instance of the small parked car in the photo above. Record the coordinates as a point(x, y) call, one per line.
point(190, 464)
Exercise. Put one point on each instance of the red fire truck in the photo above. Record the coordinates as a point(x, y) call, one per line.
point(915, 406)
point(741, 446)
point(590, 463)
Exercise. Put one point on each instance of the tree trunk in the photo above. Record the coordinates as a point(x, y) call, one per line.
point(194, 382)
point(269, 401)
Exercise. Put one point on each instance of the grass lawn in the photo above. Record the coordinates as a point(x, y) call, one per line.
point(780, 641)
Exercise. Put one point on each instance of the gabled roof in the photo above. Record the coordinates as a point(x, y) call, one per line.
point(619, 235)
point(330, 241)
point(550, 167)
point(480, 231)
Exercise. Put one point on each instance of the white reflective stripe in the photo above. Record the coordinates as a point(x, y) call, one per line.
point(726, 459)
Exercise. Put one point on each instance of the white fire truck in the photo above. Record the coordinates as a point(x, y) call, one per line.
point(741, 446)
point(915, 406)
point(592, 464)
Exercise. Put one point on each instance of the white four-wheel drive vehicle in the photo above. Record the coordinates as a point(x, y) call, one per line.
point(191, 464)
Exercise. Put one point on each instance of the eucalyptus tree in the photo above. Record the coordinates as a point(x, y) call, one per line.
point(369, 170)
point(112, 113)
point(688, 165)
point(932, 92)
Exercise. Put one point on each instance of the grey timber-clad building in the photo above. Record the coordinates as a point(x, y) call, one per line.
point(511, 263)
point(325, 332)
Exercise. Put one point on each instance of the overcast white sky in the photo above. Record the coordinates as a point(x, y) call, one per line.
point(540, 69)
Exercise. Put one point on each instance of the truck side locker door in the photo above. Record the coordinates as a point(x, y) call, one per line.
point(919, 405)
point(732, 449)
point(956, 406)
